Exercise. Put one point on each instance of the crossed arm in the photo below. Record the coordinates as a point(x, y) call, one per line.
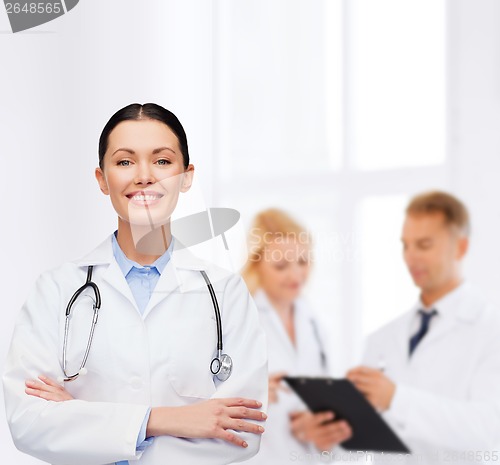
point(208, 419)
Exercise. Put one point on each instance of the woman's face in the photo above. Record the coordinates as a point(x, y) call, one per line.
point(143, 172)
point(283, 269)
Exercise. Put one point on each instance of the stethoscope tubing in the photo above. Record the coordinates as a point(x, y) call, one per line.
point(97, 306)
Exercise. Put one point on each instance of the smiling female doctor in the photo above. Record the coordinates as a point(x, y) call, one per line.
point(147, 392)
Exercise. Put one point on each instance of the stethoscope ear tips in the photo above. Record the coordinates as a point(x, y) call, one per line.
point(222, 367)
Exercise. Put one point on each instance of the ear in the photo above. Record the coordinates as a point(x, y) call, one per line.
point(187, 180)
point(462, 247)
point(101, 180)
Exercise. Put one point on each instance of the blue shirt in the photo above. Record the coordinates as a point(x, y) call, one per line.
point(142, 282)
point(141, 279)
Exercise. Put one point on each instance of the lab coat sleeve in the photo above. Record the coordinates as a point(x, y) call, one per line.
point(244, 341)
point(474, 425)
point(74, 431)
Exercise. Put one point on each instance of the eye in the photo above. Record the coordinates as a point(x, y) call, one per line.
point(303, 262)
point(124, 163)
point(279, 266)
point(425, 245)
point(164, 161)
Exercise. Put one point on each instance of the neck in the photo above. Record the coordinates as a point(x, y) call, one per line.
point(431, 296)
point(283, 306)
point(141, 244)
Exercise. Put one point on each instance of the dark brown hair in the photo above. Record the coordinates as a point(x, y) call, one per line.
point(136, 112)
point(454, 211)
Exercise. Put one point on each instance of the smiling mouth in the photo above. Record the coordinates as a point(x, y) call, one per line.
point(144, 198)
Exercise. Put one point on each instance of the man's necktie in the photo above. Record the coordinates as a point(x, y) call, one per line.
point(424, 327)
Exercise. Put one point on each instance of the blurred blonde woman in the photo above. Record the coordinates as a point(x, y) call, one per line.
point(277, 269)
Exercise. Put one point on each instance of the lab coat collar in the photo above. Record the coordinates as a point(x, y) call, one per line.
point(103, 255)
point(182, 259)
point(301, 317)
point(264, 304)
point(460, 306)
point(262, 301)
point(462, 303)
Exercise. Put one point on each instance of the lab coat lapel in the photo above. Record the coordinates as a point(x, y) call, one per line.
point(443, 326)
point(307, 340)
point(103, 255)
point(279, 330)
point(403, 334)
point(462, 309)
point(176, 276)
point(168, 282)
point(114, 277)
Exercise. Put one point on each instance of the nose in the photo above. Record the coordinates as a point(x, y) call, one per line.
point(296, 272)
point(144, 174)
point(411, 256)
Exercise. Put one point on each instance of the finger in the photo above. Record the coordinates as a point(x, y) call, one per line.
point(277, 376)
point(283, 387)
point(244, 412)
point(362, 371)
point(32, 392)
point(232, 438)
point(336, 428)
point(242, 425)
point(273, 384)
point(50, 382)
point(240, 402)
point(331, 434)
point(322, 417)
point(299, 424)
point(42, 394)
point(297, 414)
point(354, 370)
point(32, 383)
point(361, 379)
point(366, 392)
point(276, 384)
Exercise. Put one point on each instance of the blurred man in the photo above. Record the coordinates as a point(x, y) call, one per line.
point(435, 371)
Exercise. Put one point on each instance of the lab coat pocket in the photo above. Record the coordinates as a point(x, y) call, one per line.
point(190, 354)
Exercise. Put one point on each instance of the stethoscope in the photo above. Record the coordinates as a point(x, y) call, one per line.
point(221, 366)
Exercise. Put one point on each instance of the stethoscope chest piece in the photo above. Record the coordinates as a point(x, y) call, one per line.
point(221, 367)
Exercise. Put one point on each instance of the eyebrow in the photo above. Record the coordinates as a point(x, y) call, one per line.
point(155, 151)
point(421, 239)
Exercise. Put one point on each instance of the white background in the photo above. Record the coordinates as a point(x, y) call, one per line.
point(336, 111)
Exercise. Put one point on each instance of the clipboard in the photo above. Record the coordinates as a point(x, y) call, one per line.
point(370, 431)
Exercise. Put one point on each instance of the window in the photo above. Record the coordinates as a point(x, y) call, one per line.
point(336, 112)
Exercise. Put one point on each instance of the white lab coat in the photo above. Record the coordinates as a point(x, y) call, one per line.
point(278, 445)
point(160, 359)
point(447, 395)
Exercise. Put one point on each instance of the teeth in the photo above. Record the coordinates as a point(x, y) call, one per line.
point(142, 198)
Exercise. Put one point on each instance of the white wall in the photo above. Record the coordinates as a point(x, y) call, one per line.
point(474, 135)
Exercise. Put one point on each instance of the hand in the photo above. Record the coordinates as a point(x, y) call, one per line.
point(47, 389)
point(376, 387)
point(319, 429)
point(208, 419)
point(275, 385)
